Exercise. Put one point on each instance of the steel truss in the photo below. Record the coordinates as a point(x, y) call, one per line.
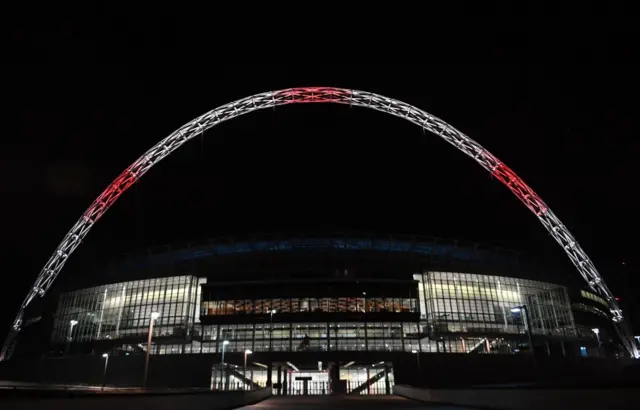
point(322, 95)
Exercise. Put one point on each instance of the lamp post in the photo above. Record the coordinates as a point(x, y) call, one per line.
point(72, 323)
point(246, 352)
point(224, 344)
point(104, 374)
point(271, 313)
point(417, 353)
point(597, 332)
point(154, 316)
point(527, 327)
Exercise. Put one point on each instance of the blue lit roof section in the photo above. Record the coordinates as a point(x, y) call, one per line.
point(437, 249)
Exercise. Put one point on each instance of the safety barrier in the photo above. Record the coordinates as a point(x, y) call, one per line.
point(518, 398)
point(156, 400)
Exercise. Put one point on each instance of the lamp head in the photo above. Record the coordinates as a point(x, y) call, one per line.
point(155, 315)
point(105, 355)
point(73, 322)
point(248, 351)
point(414, 351)
point(595, 330)
point(226, 342)
point(516, 309)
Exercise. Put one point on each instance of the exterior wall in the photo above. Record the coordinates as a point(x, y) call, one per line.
point(452, 313)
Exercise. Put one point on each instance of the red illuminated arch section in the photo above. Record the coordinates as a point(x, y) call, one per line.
point(324, 95)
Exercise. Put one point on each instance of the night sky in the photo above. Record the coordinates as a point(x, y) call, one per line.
point(570, 130)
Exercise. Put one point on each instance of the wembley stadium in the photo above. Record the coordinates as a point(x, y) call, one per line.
point(298, 306)
point(317, 313)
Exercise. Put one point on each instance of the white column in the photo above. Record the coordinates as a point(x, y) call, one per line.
point(122, 301)
point(502, 307)
point(104, 299)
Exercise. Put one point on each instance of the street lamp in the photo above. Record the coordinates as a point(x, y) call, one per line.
point(246, 352)
point(72, 323)
point(597, 332)
point(417, 353)
point(224, 344)
point(154, 316)
point(527, 327)
point(104, 374)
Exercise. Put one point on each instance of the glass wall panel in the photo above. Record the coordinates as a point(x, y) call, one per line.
point(458, 302)
point(124, 309)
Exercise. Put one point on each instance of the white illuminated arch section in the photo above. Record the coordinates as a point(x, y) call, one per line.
point(323, 95)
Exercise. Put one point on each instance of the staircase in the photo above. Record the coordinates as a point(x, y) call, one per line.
point(367, 383)
point(238, 375)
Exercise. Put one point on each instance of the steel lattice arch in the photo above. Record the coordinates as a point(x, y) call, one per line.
point(400, 109)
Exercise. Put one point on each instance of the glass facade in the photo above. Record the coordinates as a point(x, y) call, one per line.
point(452, 302)
point(304, 305)
point(454, 312)
point(333, 336)
point(124, 309)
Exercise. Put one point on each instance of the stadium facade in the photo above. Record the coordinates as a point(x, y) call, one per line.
point(310, 304)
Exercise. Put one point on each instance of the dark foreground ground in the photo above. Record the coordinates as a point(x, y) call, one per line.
point(347, 403)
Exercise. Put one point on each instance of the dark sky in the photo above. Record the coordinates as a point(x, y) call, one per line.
point(569, 129)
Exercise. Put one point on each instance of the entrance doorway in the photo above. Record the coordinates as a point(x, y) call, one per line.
point(307, 383)
point(289, 380)
point(375, 379)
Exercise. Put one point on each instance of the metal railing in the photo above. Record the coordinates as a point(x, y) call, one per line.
point(377, 388)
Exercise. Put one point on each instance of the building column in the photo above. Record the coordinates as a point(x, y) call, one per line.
point(366, 325)
point(253, 338)
point(227, 377)
point(290, 336)
point(269, 371)
point(279, 380)
point(387, 383)
point(217, 338)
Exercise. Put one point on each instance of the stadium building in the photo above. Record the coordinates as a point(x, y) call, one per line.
point(314, 313)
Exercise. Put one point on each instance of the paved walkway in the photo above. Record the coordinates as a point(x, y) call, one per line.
point(346, 402)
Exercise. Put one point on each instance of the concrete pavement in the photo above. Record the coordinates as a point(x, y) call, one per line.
point(347, 403)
